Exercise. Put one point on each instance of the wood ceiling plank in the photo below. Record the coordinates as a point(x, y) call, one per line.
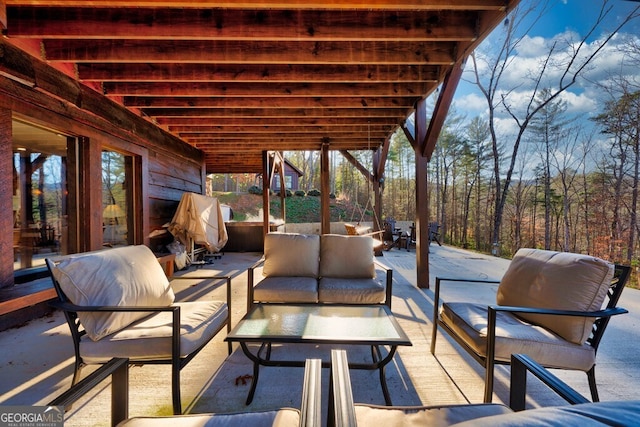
point(262, 102)
point(265, 113)
point(251, 52)
point(411, 5)
point(256, 73)
point(358, 128)
point(227, 24)
point(273, 121)
point(277, 90)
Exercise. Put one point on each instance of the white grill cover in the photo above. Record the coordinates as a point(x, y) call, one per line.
point(198, 220)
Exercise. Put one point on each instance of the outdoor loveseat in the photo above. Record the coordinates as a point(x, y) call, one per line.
point(330, 268)
point(119, 303)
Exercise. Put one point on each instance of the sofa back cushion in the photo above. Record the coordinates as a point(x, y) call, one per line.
point(557, 280)
point(125, 276)
point(291, 254)
point(349, 257)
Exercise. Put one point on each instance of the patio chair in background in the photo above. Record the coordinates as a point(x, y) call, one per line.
point(434, 233)
point(553, 306)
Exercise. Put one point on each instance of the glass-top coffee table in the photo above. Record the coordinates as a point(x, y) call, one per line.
point(269, 324)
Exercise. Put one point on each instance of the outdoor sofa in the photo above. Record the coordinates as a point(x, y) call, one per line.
point(326, 269)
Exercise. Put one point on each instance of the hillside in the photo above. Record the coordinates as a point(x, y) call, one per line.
point(300, 209)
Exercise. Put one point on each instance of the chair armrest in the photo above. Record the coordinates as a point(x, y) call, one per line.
point(548, 311)
point(520, 365)
point(388, 281)
point(250, 282)
point(118, 369)
point(311, 405)
point(67, 306)
point(341, 409)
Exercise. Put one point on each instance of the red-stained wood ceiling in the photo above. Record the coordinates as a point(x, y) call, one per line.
point(236, 78)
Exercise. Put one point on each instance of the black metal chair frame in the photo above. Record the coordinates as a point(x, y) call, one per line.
point(488, 361)
point(341, 410)
point(177, 362)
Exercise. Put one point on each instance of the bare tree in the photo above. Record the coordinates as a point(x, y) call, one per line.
point(578, 59)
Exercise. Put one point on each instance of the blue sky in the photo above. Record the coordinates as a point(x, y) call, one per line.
point(564, 22)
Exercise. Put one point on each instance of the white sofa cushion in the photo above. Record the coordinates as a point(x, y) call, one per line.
point(150, 337)
point(350, 291)
point(291, 254)
point(617, 413)
point(348, 257)
point(469, 321)
point(126, 276)
point(557, 280)
point(374, 415)
point(294, 289)
point(278, 418)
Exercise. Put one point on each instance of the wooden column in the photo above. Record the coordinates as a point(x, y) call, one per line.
point(266, 188)
point(325, 189)
point(90, 195)
point(6, 199)
point(422, 201)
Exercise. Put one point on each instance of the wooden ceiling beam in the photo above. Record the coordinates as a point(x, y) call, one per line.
point(411, 5)
point(186, 130)
point(268, 114)
point(251, 52)
point(273, 121)
point(267, 89)
point(283, 136)
point(230, 24)
point(246, 147)
point(256, 73)
point(261, 102)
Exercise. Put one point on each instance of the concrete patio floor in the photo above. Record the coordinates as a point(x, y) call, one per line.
point(37, 358)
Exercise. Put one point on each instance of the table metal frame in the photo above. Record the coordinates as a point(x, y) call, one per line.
point(262, 357)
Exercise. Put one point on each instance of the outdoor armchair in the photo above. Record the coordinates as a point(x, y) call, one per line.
point(553, 306)
point(343, 412)
point(119, 303)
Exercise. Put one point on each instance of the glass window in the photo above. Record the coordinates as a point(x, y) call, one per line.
point(39, 194)
point(114, 199)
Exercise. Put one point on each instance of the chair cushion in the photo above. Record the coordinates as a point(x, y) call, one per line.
point(514, 335)
point(557, 280)
point(286, 289)
point(126, 276)
point(586, 414)
point(371, 415)
point(150, 338)
point(291, 254)
point(283, 417)
point(350, 291)
point(348, 257)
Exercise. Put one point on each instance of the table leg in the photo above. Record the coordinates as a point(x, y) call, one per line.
point(381, 363)
point(256, 372)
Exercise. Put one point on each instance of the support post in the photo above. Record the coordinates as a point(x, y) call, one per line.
point(325, 213)
point(6, 199)
point(422, 201)
point(266, 184)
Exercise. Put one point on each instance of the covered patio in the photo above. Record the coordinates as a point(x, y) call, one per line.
point(214, 382)
point(179, 90)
